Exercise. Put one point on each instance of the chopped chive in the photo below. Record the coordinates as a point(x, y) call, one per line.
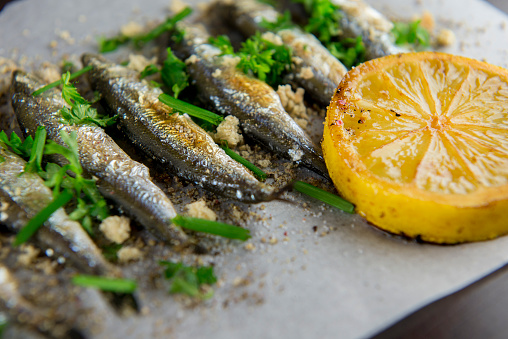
point(36, 222)
point(105, 283)
point(60, 82)
point(237, 157)
point(212, 227)
point(35, 161)
point(190, 109)
point(324, 196)
point(169, 24)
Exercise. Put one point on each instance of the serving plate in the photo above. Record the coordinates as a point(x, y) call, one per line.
point(311, 270)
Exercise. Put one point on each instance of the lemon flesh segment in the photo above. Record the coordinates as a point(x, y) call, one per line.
point(419, 143)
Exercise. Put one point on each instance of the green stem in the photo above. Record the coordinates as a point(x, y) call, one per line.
point(324, 196)
point(212, 227)
point(184, 107)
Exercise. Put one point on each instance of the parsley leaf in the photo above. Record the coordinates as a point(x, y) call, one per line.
point(90, 202)
point(21, 148)
point(259, 57)
point(189, 280)
point(223, 43)
point(81, 111)
point(324, 23)
point(283, 22)
point(411, 33)
point(174, 74)
point(149, 70)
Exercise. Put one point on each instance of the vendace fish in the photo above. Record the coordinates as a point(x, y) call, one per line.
point(314, 68)
point(119, 178)
point(258, 107)
point(170, 137)
point(24, 195)
point(358, 19)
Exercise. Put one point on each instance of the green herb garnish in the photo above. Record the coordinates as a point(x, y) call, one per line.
point(349, 51)
point(223, 43)
point(81, 111)
point(149, 70)
point(36, 222)
point(324, 23)
point(189, 280)
point(174, 74)
point(235, 156)
point(411, 33)
point(195, 111)
point(105, 283)
point(111, 44)
point(90, 202)
point(283, 22)
point(259, 57)
point(17, 146)
point(61, 81)
point(34, 164)
point(324, 196)
point(212, 227)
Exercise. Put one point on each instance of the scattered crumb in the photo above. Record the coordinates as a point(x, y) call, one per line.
point(82, 18)
point(427, 21)
point(199, 209)
point(139, 62)
point(177, 6)
point(306, 73)
point(131, 29)
point(128, 253)
point(445, 37)
point(294, 104)
point(192, 59)
point(29, 253)
point(250, 246)
point(229, 130)
point(66, 36)
point(116, 228)
point(53, 44)
point(264, 163)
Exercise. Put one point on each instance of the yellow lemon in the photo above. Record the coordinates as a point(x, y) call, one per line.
point(419, 143)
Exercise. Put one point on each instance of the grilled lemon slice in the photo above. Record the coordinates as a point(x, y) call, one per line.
point(419, 143)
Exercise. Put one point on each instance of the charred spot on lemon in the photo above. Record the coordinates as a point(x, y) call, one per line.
point(419, 143)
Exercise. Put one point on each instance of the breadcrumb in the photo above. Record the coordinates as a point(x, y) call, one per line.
point(128, 253)
point(48, 72)
point(116, 228)
point(427, 21)
point(294, 104)
point(446, 37)
point(199, 209)
point(306, 73)
point(131, 29)
point(28, 255)
point(139, 62)
point(229, 130)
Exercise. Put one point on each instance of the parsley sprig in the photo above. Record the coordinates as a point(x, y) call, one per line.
point(111, 44)
point(411, 33)
point(188, 279)
point(259, 57)
point(324, 23)
point(80, 111)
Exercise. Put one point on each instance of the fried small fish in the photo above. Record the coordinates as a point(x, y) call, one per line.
point(23, 195)
point(229, 91)
point(119, 178)
point(172, 138)
point(314, 68)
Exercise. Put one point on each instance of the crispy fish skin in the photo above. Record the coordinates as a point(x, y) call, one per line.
point(119, 177)
point(314, 68)
point(29, 195)
point(257, 106)
point(170, 137)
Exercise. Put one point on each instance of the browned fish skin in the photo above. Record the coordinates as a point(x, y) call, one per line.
point(28, 195)
point(119, 177)
point(314, 67)
point(253, 102)
point(170, 137)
